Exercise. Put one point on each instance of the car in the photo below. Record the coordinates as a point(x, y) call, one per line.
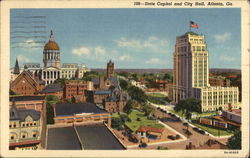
point(187, 132)
point(177, 136)
point(171, 137)
point(195, 129)
point(202, 132)
point(185, 124)
point(143, 145)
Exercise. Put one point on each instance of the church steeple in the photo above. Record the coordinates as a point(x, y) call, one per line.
point(16, 69)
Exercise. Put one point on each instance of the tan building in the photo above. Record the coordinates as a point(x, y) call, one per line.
point(191, 75)
point(25, 129)
point(32, 103)
point(73, 71)
point(83, 113)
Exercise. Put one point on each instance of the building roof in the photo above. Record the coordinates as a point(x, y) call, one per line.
point(102, 92)
point(77, 108)
point(98, 137)
point(92, 137)
point(26, 98)
point(64, 138)
point(52, 88)
point(150, 129)
point(21, 114)
point(114, 80)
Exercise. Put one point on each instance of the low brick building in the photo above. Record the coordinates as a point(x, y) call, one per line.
point(80, 113)
point(160, 84)
point(219, 81)
point(76, 89)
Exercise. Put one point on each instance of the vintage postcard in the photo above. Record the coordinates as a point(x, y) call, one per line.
point(124, 78)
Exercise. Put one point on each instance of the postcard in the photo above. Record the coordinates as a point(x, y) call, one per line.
point(124, 78)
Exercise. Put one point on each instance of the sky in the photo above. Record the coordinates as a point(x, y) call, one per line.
point(132, 38)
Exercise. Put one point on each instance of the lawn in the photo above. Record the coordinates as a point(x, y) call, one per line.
point(144, 121)
point(158, 95)
point(157, 98)
point(213, 131)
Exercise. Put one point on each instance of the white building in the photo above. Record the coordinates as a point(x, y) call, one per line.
point(191, 75)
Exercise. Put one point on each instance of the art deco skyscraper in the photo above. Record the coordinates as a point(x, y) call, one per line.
point(190, 64)
point(191, 75)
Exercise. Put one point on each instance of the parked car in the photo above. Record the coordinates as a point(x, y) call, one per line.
point(196, 129)
point(143, 145)
point(187, 132)
point(202, 132)
point(177, 136)
point(171, 137)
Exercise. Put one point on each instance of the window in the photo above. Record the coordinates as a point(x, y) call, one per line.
point(12, 137)
point(23, 136)
point(34, 135)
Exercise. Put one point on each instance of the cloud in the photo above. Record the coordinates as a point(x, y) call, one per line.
point(124, 57)
point(227, 58)
point(100, 51)
point(153, 61)
point(152, 43)
point(220, 38)
point(23, 59)
point(81, 51)
point(29, 45)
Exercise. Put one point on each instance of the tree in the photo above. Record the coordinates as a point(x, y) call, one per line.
point(188, 115)
point(88, 76)
point(49, 113)
point(189, 104)
point(117, 123)
point(128, 107)
point(234, 142)
point(51, 100)
point(168, 77)
point(137, 94)
point(60, 81)
point(124, 84)
point(147, 109)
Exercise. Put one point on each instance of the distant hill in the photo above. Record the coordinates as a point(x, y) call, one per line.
point(162, 70)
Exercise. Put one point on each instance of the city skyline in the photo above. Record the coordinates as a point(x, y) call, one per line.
point(132, 38)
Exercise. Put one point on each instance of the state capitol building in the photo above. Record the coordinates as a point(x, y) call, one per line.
point(52, 68)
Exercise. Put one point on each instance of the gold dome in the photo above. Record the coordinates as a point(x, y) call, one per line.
point(51, 45)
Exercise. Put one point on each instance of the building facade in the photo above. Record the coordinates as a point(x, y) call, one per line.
point(32, 103)
point(76, 89)
point(191, 75)
point(24, 129)
point(25, 84)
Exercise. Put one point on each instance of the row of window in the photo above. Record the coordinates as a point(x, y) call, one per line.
point(24, 135)
point(13, 125)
